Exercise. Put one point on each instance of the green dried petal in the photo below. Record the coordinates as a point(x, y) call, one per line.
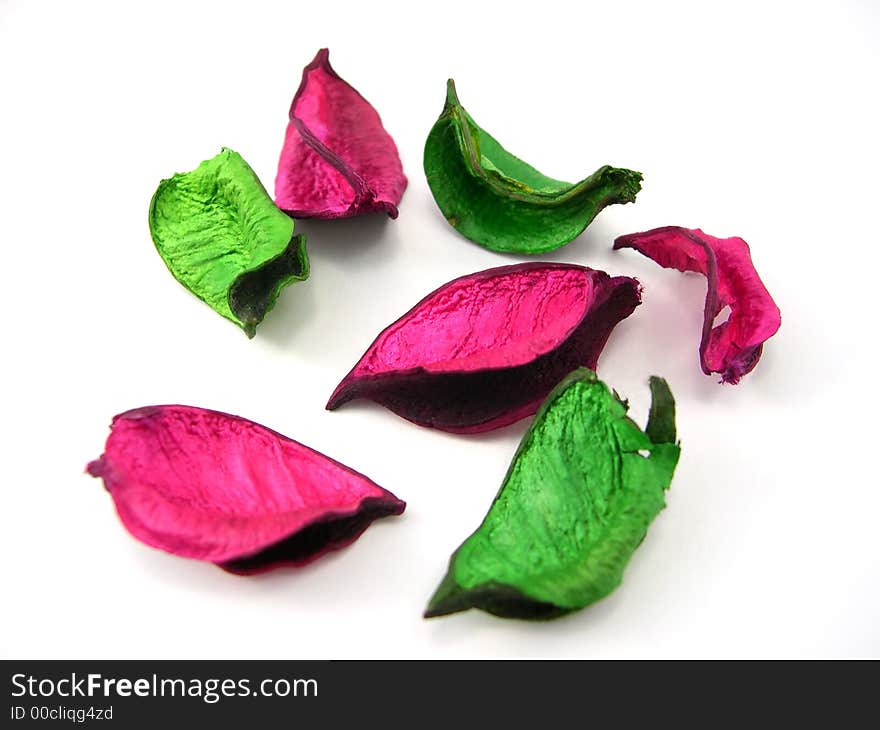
point(222, 237)
point(504, 204)
point(575, 504)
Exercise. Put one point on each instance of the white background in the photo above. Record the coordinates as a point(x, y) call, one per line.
point(750, 119)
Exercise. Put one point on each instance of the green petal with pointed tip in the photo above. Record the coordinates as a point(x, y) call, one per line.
point(222, 237)
point(501, 202)
point(575, 504)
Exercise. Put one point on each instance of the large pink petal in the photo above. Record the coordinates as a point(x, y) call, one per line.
point(734, 347)
point(484, 350)
point(337, 159)
point(207, 485)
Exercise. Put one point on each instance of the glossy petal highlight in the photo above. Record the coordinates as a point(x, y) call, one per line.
point(575, 504)
point(734, 347)
point(222, 237)
point(504, 204)
point(484, 350)
point(210, 486)
point(337, 160)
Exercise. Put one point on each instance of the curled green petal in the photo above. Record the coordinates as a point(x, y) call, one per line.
point(504, 204)
point(222, 237)
point(584, 486)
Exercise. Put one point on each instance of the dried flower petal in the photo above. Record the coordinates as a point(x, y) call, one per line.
point(484, 350)
point(222, 238)
point(504, 204)
point(575, 504)
point(210, 486)
point(734, 347)
point(337, 160)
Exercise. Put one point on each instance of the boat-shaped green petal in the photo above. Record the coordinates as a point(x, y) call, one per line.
point(577, 501)
point(502, 203)
point(223, 238)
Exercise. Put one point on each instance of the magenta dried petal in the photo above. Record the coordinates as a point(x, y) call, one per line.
point(337, 160)
point(484, 350)
point(734, 347)
point(206, 485)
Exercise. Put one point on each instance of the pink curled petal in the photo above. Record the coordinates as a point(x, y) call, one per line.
point(206, 485)
point(734, 347)
point(337, 160)
point(484, 350)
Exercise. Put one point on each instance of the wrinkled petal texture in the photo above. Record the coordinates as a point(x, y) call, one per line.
point(207, 485)
point(223, 238)
point(734, 347)
point(504, 204)
point(575, 504)
point(484, 350)
point(337, 158)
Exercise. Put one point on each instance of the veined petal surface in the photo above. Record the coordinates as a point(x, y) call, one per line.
point(581, 491)
point(211, 486)
point(222, 237)
point(484, 350)
point(337, 159)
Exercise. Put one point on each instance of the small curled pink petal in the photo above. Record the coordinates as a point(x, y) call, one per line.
point(734, 347)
